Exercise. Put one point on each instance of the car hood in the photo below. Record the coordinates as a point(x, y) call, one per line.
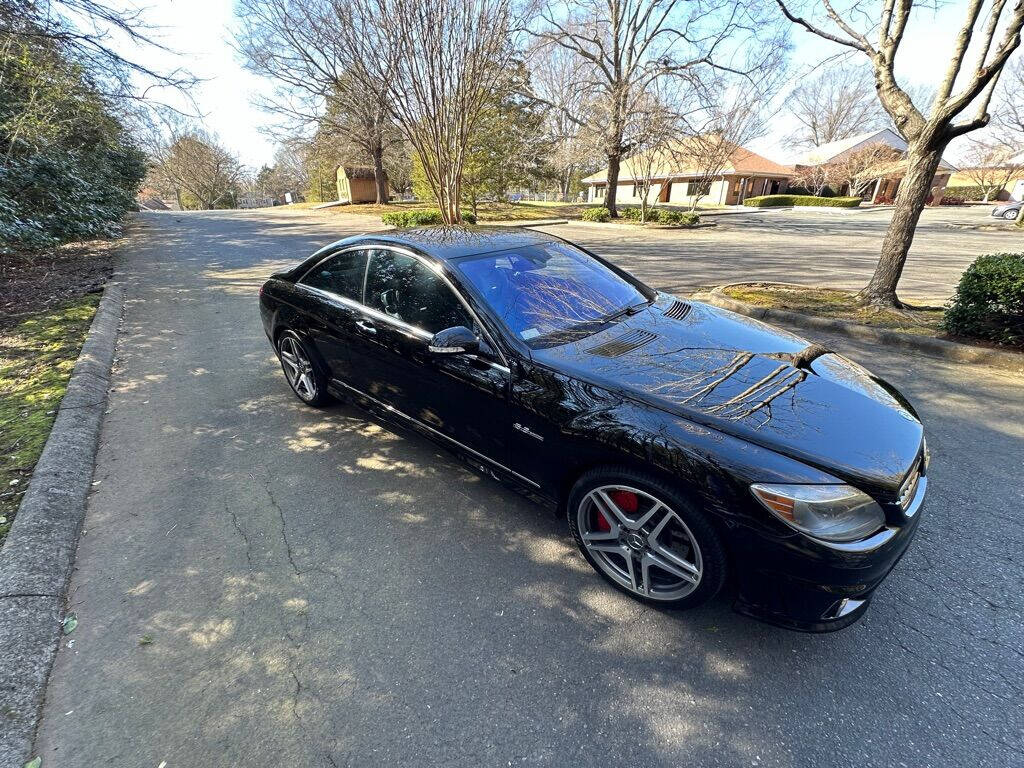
point(750, 380)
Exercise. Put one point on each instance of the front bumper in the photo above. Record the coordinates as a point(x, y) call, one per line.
point(802, 584)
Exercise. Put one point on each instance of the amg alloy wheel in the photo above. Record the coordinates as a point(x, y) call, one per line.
point(300, 370)
point(647, 540)
point(639, 542)
point(1011, 214)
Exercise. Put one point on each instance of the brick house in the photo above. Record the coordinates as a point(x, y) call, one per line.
point(676, 180)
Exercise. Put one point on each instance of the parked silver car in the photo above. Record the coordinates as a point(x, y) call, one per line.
point(1008, 211)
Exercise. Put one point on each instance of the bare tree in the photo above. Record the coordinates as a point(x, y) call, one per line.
point(631, 44)
point(322, 85)
point(440, 64)
point(859, 166)
point(814, 178)
point(86, 31)
point(559, 81)
point(657, 124)
point(733, 112)
point(837, 104)
point(992, 36)
point(992, 163)
point(1009, 112)
point(194, 167)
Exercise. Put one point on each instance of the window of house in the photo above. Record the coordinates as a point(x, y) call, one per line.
point(408, 290)
point(637, 190)
point(341, 274)
point(699, 187)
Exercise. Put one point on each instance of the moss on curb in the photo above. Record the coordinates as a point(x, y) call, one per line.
point(36, 359)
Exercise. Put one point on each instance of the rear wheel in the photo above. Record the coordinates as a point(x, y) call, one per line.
point(302, 373)
point(646, 538)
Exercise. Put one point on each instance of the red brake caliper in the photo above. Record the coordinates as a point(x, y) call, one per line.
point(627, 501)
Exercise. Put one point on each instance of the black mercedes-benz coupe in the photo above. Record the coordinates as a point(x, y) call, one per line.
point(687, 446)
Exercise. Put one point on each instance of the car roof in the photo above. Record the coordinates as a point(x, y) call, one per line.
point(446, 243)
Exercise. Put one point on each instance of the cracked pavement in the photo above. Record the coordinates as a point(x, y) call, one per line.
point(321, 589)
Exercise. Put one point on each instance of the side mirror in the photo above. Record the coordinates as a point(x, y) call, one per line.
point(455, 341)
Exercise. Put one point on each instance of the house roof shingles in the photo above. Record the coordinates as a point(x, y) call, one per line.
point(669, 163)
point(835, 150)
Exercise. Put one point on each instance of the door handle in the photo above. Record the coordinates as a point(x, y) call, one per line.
point(366, 325)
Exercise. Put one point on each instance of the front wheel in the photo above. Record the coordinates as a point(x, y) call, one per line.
point(1010, 215)
point(646, 538)
point(303, 375)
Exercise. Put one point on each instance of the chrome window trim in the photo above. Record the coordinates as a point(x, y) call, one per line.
point(407, 417)
point(413, 330)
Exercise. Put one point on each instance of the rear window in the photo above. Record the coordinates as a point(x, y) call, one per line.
point(341, 274)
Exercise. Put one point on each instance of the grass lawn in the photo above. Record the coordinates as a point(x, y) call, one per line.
point(528, 210)
point(841, 305)
point(36, 357)
point(486, 211)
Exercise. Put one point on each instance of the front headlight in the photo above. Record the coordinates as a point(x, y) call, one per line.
point(829, 512)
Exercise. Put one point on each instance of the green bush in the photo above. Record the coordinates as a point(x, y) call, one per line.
point(57, 195)
point(684, 219)
point(596, 214)
point(635, 214)
point(427, 218)
point(989, 301)
point(770, 201)
point(964, 194)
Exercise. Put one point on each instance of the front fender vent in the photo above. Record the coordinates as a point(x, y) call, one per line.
point(620, 345)
point(678, 310)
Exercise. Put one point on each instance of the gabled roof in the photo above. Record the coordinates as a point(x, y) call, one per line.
point(675, 160)
point(356, 171)
point(837, 150)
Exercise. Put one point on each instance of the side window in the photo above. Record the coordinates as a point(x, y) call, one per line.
point(406, 289)
point(341, 274)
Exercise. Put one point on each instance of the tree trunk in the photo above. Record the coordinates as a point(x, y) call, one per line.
point(380, 177)
point(614, 159)
point(566, 184)
point(922, 161)
point(449, 199)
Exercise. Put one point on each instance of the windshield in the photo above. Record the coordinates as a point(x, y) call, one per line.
point(549, 292)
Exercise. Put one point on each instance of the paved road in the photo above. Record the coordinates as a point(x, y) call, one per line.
point(320, 590)
point(832, 248)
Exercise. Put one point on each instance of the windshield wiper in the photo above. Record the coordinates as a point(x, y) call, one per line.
point(630, 309)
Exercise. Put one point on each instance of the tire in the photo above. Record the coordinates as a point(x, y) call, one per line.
point(633, 559)
point(301, 369)
point(1010, 215)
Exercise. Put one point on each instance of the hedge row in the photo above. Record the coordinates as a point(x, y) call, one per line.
point(989, 301)
point(771, 201)
point(966, 193)
point(427, 218)
point(682, 219)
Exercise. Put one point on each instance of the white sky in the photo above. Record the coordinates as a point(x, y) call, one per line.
point(201, 30)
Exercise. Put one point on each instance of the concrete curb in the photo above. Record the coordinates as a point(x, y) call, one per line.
point(526, 223)
point(36, 559)
point(945, 350)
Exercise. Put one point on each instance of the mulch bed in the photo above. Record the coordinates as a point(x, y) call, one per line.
point(32, 282)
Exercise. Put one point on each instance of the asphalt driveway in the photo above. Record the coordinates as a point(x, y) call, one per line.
point(835, 248)
point(263, 584)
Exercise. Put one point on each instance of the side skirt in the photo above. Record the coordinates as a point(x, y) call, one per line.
point(474, 459)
